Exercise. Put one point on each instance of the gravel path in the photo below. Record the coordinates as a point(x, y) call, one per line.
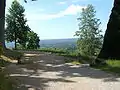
point(43, 71)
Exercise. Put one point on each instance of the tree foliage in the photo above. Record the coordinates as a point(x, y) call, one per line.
point(90, 38)
point(2, 20)
point(33, 41)
point(17, 28)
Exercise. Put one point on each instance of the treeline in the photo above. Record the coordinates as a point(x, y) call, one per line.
point(17, 29)
point(61, 51)
point(53, 50)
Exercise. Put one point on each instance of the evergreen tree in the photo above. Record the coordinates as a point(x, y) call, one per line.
point(2, 20)
point(90, 38)
point(16, 29)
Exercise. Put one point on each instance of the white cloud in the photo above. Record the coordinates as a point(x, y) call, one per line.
point(71, 10)
point(74, 1)
point(70, 1)
point(61, 3)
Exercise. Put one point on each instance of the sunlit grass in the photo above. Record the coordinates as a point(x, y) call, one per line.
point(113, 63)
point(52, 50)
point(75, 63)
point(112, 66)
point(72, 61)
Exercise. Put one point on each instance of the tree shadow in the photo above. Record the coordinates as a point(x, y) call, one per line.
point(34, 74)
point(29, 75)
point(37, 83)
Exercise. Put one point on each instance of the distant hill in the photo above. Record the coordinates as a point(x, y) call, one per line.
point(59, 43)
point(55, 43)
point(9, 45)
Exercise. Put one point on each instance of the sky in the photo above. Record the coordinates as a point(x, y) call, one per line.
point(57, 19)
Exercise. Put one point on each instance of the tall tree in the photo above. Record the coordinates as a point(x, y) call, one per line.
point(90, 38)
point(16, 29)
point(111, 44)
point(2, 21)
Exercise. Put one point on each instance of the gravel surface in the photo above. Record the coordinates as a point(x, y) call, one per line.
point(44, 71)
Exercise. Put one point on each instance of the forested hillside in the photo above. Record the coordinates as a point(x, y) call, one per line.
point(59, 43)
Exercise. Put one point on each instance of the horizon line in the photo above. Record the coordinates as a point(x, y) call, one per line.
point(58, 38)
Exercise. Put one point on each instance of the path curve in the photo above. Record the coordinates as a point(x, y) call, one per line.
point(44, 71)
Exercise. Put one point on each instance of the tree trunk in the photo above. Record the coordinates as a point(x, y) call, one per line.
point(111, 44)
point(2, 21)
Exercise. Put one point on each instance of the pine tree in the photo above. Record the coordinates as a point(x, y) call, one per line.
point(16, 29)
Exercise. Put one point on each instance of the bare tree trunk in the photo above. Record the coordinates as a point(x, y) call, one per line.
point(111, 44)
point(2, 21)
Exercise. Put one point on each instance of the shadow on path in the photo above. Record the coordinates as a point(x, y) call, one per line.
point(43, 68)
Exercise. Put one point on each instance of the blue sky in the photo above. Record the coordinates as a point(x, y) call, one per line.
point(55, 19)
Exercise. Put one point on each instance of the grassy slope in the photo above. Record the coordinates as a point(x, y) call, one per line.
point(113, 66)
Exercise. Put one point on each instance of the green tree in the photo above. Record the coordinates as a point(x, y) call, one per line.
point(111, 44)
point(90, 38)
point(2, 20)
point(16, 29)
point(33, 40)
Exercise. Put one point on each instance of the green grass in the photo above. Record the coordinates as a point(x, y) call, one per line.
point(75, 62)
point(52, 50)
point(112, 66)
point(72, 61)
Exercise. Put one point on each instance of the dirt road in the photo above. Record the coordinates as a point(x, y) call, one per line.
point(44, 71)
